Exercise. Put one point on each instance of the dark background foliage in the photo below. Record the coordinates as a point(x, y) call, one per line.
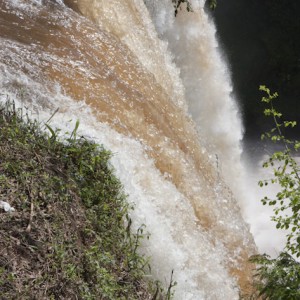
point(261, 40)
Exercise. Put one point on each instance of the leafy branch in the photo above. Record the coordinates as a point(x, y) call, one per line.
point(177, 5)
point(286, 174)
point(279, 278)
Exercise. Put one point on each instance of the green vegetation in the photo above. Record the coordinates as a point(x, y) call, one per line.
point(279, 278)
point(177, 5)
point(70, 235)
point(286, 174)
point(212, 4)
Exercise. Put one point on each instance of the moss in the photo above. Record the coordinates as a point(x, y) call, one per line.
point(69, 237)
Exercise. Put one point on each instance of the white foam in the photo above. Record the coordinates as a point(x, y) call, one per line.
point(177, 242)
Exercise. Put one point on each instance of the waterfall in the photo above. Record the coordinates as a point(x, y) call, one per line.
point(208, 90)
point(154, 90)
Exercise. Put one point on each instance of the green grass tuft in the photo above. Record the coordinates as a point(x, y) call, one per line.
point(70, 235)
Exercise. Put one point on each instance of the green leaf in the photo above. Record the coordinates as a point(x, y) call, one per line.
point(53, 134)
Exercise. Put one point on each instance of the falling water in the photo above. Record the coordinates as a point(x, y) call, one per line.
point(155, 92)
point(191, 39)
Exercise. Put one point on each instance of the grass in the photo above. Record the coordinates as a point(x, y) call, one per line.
point(70, 235)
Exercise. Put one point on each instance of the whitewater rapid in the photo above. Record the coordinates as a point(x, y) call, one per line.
point(155, 91)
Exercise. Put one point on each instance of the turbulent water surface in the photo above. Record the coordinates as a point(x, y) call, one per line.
point(153, 90)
